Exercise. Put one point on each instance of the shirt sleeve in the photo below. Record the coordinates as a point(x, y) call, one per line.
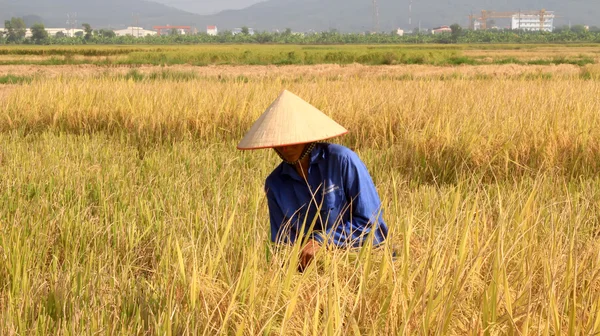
point(363, 198)
point(275, 215)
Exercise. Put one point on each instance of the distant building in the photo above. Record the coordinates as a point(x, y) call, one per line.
point(68, 32)
point(212, 30)
point(179, 30)
point(53, 31)
point(533, 22)
point(400, 32)
point(442, 29)
point(236, 31)
point(135, 32)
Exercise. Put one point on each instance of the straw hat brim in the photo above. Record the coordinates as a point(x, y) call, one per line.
point(288, 121)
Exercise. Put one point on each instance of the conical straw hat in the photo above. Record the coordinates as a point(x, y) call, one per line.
point(290, 121)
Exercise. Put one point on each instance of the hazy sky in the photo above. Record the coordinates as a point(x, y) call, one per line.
point(208, 6)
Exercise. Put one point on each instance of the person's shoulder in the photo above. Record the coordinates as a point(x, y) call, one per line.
point(275, 176)
point(341, 152)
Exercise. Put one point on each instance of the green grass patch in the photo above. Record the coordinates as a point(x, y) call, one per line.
point(537, 76)
point(12, 79)
point(508, 60)
point(164, 75)
point(589, 74)
point(134, 75)
point(460, 60)
point(562, 60)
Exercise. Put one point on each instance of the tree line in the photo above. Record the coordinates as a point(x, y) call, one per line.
point(15, 33)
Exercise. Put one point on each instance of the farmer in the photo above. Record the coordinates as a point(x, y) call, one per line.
point(321, 193)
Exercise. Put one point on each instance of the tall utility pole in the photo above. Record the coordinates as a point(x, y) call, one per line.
point(71, 23)
point(410, 15)
point(375, 16)
point(136, 18)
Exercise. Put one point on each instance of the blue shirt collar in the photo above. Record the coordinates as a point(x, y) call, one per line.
point(317, 154)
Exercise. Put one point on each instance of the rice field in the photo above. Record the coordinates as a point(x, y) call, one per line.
point(126, 209)
point(247, 54)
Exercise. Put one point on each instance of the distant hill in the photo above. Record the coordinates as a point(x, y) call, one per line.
point(356, 15)
point(99, 14)
point(300, 15)
point(208, 6)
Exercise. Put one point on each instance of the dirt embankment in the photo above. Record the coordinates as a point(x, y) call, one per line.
point(284, 71)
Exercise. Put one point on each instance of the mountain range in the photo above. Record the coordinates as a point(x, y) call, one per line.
point(100, 14)
point(208, 6)
point(299, 15)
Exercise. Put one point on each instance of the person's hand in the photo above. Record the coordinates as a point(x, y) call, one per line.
point(308, 254)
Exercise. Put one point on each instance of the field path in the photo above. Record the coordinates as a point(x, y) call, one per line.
point(292, 70)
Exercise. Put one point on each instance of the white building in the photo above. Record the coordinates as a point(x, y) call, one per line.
point(53, 31)
point(135, 32)
point(400, 32)
point(68, 32)
point(72, 31)
point(212, 30)
point(533, 22)
point(442, 29)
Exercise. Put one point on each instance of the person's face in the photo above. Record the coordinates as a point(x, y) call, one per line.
point(291, 153)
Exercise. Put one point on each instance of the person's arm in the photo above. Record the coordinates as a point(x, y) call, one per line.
point(275, 215)
point(277, 219)
point(363, 199)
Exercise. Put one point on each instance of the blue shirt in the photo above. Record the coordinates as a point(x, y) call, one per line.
point(340, 200)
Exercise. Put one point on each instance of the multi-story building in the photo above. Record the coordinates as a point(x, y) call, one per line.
point(135, 32)
point(533, 22)
point(212, 30)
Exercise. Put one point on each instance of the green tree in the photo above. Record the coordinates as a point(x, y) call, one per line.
point(174, 31)
point(245, 31)
point(578, 29)
point(60, 35)
point(264, 37)
point(38, 33)
point(456, 29)
point(88, 31)
point(79, 34)
point(106, 33)
point(15, 30)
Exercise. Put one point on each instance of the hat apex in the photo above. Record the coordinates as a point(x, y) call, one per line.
point(290, 120)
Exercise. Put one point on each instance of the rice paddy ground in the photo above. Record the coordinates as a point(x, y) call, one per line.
point(125, 208)
point(202, 55)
